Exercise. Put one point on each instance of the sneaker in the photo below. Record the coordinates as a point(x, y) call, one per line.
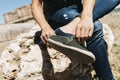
point(70, 47)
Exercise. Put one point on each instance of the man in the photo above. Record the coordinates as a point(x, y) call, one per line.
point(80, 20)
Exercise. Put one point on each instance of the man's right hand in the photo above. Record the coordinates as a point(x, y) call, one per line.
point(46, 33)
point(38, 14)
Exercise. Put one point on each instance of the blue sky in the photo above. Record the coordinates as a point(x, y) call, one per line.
point(9, 5)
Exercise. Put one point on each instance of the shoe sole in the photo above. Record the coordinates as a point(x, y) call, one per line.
point(73, 53)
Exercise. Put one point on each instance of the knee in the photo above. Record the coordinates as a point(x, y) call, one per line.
point(116, 1)
point(68, 15)
point(97, 26)
point(65, 15)
point(97, 36)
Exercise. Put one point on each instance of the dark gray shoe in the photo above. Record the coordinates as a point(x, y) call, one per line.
point(70, 47)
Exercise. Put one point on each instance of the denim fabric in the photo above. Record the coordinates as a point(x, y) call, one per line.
point(96, 43)
point(103, 7)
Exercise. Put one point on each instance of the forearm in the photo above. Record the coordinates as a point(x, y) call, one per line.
point(38, 14)
point(88, 6)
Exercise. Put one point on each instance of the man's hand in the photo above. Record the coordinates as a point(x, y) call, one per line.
point(84, 30)
point(46, 33)
point(39, 16)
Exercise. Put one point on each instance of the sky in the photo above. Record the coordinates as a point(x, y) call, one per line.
point(10, 5)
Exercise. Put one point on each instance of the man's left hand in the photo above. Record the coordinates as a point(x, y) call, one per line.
point(84, 30)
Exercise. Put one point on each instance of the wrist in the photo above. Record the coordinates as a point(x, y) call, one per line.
point(45, 26)
point(87, 14)
point(87, 17)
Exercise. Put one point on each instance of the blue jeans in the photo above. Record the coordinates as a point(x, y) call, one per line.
point(96, 43)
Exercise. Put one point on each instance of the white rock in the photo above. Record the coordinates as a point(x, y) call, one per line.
point(108, 36)
point(15, 47)
point(23, 60)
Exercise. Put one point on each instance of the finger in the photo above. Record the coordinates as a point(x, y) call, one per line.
point(50, 34)
point(90, 32)
point(44, 38)
point(82, 36)
point(85, 38)
point(77, 34)
point(47, 35)
point(53, 33)
point(82, 32)
point(86, 34)
point(78, 40)
point(82, 41)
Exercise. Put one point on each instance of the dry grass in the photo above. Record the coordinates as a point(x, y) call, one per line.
point(113, 20)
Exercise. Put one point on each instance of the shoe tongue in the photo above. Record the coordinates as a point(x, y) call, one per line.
point(61, 33)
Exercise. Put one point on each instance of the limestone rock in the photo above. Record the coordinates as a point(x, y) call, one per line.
point(108, 36)
point(27, 58)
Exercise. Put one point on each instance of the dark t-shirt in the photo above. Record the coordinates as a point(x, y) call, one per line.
point(51, 6)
